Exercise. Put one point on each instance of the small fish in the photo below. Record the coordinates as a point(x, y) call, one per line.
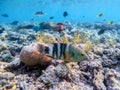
point(5, 15)
point(104, 20)
point(52, 17)
point(111, 23)
point(32, 19)
point(39, 13)
point(100, 15)
point(60, 27)
point(30, 26)
point(83, 16)
point(36, 28)
point(14, 23)
point(101, 31)
point(65, 13)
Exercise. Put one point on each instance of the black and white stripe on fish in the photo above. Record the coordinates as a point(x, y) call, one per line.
point(57, 50)
point(65, 51)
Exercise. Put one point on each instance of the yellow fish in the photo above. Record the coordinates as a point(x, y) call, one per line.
point(104, 20)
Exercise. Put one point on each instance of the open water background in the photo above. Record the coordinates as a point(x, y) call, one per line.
point(78, 10)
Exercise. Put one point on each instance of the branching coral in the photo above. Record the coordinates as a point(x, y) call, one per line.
point(84, 37)
point(45, 38)
point(75, 39)
point(79, 38)
point(64, 39)
point(88, 47)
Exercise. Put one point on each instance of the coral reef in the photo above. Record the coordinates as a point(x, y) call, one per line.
point(62, 71)
point(45, 38)
point(64, 39)
point(100, 72)
point(88, 47)
point(46, 25)
point(79, 38)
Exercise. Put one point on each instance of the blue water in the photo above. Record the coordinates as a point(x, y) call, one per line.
point(78, 10)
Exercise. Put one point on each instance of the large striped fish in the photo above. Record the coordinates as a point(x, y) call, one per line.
point(67, 52)
point(39, 53)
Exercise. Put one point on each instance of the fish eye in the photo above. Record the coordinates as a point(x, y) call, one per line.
point(82, 54)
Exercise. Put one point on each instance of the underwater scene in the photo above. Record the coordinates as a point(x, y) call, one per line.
point(59, 45)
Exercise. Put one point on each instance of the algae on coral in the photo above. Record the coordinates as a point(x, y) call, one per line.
point(45, 38)
point(79, 38)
